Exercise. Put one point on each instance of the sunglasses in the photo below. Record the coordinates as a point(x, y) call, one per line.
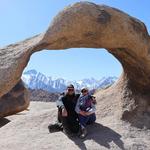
point(70, 90)
point(84, 91)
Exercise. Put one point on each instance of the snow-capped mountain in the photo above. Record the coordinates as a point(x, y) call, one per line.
point(37, 80)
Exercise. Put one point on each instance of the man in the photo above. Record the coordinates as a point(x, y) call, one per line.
point(67, 116)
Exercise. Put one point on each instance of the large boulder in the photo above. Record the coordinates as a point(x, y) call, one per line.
point(89, 25)
point(16, 100)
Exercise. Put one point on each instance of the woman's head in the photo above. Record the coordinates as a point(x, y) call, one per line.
point(84, 91)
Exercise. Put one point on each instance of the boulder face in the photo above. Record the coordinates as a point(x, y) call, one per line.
point(15, 100)
point(88, 25)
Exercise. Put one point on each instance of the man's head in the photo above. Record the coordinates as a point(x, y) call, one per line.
point(84, 91)
point(70, 89)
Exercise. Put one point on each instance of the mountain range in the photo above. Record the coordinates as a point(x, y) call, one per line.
point(37, 80)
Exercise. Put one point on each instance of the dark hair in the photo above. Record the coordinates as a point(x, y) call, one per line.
point(84, 89)
point(70, 86)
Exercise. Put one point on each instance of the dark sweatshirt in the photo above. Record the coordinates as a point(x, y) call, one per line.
point(69, 102)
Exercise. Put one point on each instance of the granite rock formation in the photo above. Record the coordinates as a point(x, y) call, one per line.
point(88, 25)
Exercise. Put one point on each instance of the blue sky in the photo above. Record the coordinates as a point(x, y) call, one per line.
point(21, 19)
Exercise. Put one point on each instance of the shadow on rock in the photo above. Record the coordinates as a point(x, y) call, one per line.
point(3, 122)
point(101, 135)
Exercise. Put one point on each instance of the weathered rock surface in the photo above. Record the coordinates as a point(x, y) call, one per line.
point(89, 25)
point(16, 100)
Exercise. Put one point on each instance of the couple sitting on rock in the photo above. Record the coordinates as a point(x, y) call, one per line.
point(75, 112)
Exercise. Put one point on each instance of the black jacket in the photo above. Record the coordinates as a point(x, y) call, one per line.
point(69, 102)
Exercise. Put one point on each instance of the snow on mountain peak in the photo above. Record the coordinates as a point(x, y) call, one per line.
point(37, 80)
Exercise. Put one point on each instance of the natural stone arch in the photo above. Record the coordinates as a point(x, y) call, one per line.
point(89, 25)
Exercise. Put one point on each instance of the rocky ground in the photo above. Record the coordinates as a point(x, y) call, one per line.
point(28, 131)
point(42, 95)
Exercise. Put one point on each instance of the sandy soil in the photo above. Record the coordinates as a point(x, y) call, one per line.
point(28, 131)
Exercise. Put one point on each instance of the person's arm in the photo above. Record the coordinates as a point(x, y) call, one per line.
point(92, 110)
point(59, 103)
point(77, 108)
point(61, 106)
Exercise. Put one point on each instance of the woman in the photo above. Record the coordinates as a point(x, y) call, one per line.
point(85, 109)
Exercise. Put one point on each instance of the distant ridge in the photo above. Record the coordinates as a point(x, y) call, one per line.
point(37, 80)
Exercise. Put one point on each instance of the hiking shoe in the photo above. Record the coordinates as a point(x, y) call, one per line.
point(55, 127)
point(83, 133)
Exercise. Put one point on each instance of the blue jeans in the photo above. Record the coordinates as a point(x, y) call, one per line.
point(85, 120)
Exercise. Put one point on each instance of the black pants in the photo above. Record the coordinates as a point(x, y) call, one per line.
point(69, 123)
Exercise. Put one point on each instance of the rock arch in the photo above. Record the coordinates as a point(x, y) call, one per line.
point(89, 25)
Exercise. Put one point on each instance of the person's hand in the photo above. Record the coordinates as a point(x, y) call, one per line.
point(83, 113)
point(88, 113)
point(64, 112)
